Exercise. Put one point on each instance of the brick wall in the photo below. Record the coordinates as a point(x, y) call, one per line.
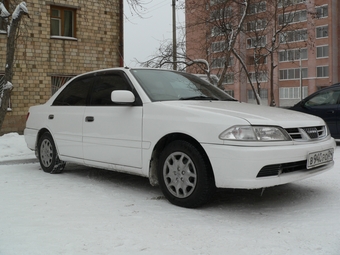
point(39, 57)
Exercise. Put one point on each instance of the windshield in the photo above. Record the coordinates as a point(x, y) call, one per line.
point(165, 85)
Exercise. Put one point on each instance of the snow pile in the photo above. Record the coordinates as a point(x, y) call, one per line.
point(13, 147)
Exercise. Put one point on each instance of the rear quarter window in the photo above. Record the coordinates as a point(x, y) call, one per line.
point(75, 93)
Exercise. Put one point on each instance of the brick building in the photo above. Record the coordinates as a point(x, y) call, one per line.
point(62, 38)
point(309, 47)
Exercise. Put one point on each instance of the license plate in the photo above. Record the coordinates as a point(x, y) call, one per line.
point(319, 158)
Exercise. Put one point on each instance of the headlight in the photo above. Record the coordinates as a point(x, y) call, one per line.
point(255, 133)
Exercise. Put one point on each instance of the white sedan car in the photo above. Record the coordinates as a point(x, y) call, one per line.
point(178, 130)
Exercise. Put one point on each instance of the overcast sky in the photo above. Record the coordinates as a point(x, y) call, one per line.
point(142, 36)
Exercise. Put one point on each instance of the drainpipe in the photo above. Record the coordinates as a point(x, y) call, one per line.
point(121, 34)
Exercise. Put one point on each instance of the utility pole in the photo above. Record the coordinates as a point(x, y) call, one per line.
point(174, 40)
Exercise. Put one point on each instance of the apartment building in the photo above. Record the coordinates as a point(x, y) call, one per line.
point(306, 58)
point(60, 39)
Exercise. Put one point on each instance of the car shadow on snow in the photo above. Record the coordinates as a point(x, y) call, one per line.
point(110, 178)
point(278, 197)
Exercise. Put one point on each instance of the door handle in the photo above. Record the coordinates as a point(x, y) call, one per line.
point(331, 111)
point(51, 117)
point(89, 118)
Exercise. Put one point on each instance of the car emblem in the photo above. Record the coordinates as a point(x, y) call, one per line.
point(312, 132)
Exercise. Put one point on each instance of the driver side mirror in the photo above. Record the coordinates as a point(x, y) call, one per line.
point(122, 97)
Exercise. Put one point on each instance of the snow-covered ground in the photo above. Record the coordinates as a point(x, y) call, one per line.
point(91, 211)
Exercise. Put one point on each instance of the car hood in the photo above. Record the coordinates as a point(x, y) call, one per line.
point(254, 114)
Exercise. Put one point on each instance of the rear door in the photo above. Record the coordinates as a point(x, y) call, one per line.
point(65, 119)
point(112, 133)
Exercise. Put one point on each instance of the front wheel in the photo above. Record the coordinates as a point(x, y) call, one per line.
point(48, 156)
point(185, 175)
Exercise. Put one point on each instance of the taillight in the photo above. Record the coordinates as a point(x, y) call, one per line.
point(28, 114)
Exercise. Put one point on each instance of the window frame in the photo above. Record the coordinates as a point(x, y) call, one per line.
point(219, 62)
point(321, 11)
point(293, 92)
point(262, 76)
point(298, 35)
point(323, 50)
point(291, 55)
point(293, 17)
point(255, 42)
point(263, 94)
point(292, 73)
point(322, 29)
point(324, 71)
point(62, 10)
point(258, 7)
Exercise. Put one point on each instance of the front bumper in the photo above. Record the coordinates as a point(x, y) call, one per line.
point(239, 166)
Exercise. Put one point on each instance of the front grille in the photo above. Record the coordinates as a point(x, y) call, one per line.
point(278, 169)
point(307, 133)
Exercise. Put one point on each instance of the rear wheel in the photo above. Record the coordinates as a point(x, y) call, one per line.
point(48, 155)
point(185, 175)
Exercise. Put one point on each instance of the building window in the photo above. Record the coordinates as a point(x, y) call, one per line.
point(293, 54)
point(220, 62)
point(216, 31)
point(263, 94)
point(257, 8)
point(229, 78)
point(294, 36)
point(322, 32)
point(256, 24)
point(222, 13)
point(213, 2)
point(293, 92)
point(58, 81)
point(293, 74)
point(322, 51)
point(258, 60)
point(321, 11)
point(285, 3)
point(322, 71)
point(218, 46)
point(230, 92)
point(256, 42)
point(258, 77)
point(63, 21)
point(293, 17)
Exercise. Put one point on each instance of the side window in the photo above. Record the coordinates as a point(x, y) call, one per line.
point(104, 85)
point(75, 94)
point(329, 97)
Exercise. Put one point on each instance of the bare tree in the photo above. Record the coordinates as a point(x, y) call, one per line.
point(270, 32)
point(163, 56)
point(12, 31)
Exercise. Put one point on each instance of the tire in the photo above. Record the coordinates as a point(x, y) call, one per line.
point(185, 175)
point(48, 156)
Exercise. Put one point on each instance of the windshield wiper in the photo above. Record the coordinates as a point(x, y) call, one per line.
point(230, 99)
point(198, 98)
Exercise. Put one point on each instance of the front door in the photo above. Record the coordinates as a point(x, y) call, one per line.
point(112, 133)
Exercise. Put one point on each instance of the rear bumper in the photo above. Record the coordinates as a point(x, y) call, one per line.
point(31, 138)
